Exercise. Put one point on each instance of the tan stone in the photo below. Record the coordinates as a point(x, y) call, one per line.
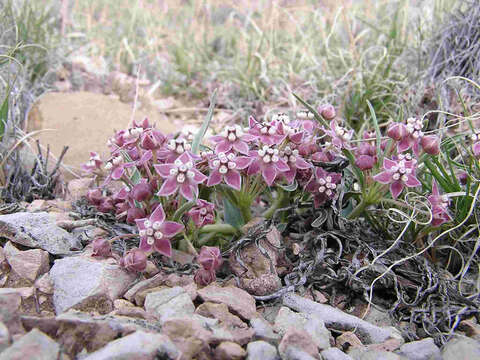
point(297, 341)
point(44, 284)
point(29, 264)
point(228, 350)
point(77, 188)
point(348, 339)
point(83, 121)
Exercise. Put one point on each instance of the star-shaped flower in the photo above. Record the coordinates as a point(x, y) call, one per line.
point(398, 173)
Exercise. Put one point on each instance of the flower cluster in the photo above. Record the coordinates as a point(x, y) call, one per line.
point(210, 261)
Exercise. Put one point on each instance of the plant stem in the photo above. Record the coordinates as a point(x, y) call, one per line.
point(358, 210)
point(279, 201)
point(218, 228)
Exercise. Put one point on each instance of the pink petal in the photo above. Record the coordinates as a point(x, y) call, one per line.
point(158, 214)
point(384, 177)
point(476, 149)
point(251, 121)
point(139, 223)
point(254, 167)
point(297, 137)
point(435, 191)
point(233, 179)
point(199, 177)
point(163, 246)
point(185, 157)
point(403, 144)
point(144, 246)
point(146, 156)
point(241, 147)
point(118, 172)
point(217, 138)
point(215, 178)
point(242, 162)
point(396, 188)
point(187, 191)
point(290, 175)
point(171, 228)
point(164, 170)
point(388, 164)
point(223, 146)
point(168, 187)
point(269, 173)
point(281, 165)
point(312, 186)
point(248, 137)
point(336, 177)
point(302, 164)
point(412, 181)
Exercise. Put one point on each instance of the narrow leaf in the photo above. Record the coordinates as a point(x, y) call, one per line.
point(205, 125)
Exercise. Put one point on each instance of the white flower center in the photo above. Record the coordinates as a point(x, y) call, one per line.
point(158, 235)
point(156, 225)
point(150, 240)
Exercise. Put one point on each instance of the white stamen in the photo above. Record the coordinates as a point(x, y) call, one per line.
point(190, 174)
point(150, 240)
point(156, 225)
point(149, 232)
point(223, 169)
point(181, 178)
point(173, 171)
point(158, 235)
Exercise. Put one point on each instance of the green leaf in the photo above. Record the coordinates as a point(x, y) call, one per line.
point(205, 125)
point(315, 113)
point(233, 215)
point(290, 187)
point(4, 114)
point(136, 176)
point(378, 135)
point(182, 210)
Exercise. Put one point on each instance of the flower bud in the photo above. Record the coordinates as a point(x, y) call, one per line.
point(210, 258)
point(106, 205)
point(203, 277)
point(397, 131)
point(327, 111)
point(142, 191)
point(134, 260)
point(101, 247)
point(94, 196)
point(365, 162)
point(462, 177)
point(431, 144)
point(134, 213)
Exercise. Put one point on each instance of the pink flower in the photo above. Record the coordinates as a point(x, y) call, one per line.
point(476, 149)
point(155, 232)
point(203, 213)
point(323, 185)
point(181, 175)
point(232, 138)
point(134, 213)
point(93, 164)
point(365, 162)
point(294, 162)
point(152, 139)
point(269, 133)
point(439, 205)
point(398, 173)
point(327, 111)
point(174, 149)
point(94, 196)
point(340, 136)
point(210, 258)
point(397, 131)
point(414, 135)
point(431, 144)
point(142, 191)
point(101, 247)
point(134, 260)
point(267, 161)
point(204, 277)
point(226, 168)
point(117, 167)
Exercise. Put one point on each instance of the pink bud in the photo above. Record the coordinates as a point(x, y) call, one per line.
point(121, 207)
point(327, 111)
point(95, 196)
point(431, 144)
point(397, 131)
point(203, 277)
point(106, 205)
point(462, 177)
point(142, 191)
point(135, 260)
point(149, 142)
point(101, 247)
point(210, 258)
point(134, 213)
point(365, 162)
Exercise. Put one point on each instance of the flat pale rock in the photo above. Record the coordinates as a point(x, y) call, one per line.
point(83, 121)
point(169, 303)
point(4, 337)
point(139, 346)
point(29, 264)
point(261, 350)
point(38, 230)
point(85, 282)
point(34, 345)
point(238, 301)
point(228, 350)
point(10, 302)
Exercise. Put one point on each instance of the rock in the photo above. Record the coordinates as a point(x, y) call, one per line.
point(134, 311)
point(121, 303)
point(360, 354)
point(76, 331)
point(240, 331)
point(38, 230)
point(470, 329)
point(229, 351)
point(139, 346)
point(189, 336)
point(334, 353)
point(421, 350)
point(77, 188)
point(28, 264)
point(337, 319)
point(348, 339)
point(461, 348)
point(44, 284)
point(4, 337)
point(261, 350)
point(10, 302)
point(287, 319)
point(84, 121)
point(218, 333)
point(238, 301)
point(263, 330)
point(88, 283)
point(297, 344)
point(378, 317)
point(169, 303)
point(33, 345)
point(257, 272)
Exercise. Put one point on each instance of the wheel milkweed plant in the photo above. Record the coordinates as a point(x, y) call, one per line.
point(172, 186)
